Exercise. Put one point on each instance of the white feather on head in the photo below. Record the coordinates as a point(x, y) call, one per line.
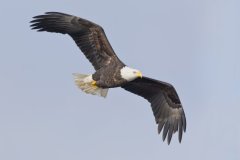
point(130, 74)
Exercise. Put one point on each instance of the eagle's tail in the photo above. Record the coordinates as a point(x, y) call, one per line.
point(87, 84)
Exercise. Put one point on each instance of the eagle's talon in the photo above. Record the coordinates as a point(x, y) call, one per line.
point(94, 83)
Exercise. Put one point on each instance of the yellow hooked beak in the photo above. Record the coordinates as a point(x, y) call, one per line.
point(139, 74)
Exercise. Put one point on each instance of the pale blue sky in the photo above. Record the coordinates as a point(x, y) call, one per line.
point(193, 44)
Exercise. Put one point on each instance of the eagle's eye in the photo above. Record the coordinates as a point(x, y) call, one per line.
point(134, 72)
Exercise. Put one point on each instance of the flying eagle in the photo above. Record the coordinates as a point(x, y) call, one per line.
point(111, 72)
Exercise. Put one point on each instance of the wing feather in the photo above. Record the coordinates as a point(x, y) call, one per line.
point(88, 36)
point(165, 103)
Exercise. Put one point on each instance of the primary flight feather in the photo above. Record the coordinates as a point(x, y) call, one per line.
point(112, 72)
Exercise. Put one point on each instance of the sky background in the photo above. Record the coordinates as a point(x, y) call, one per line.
point(192, 44)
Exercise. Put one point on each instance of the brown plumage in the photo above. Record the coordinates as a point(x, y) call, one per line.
point(88, 36)
point(111, 72)
point(165, 103)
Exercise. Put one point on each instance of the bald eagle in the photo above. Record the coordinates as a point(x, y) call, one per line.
point(111, 72)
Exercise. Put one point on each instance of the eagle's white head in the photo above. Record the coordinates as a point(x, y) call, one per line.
point(130, 74)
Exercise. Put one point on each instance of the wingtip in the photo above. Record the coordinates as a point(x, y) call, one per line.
point(38, 16)
point(51, 12)
point(180, 139)
point(184, 125)
point(160, 126)
point(180, 135)
point(169, 139)
point(56, 13)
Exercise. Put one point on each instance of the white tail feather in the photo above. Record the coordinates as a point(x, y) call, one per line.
point(84, 82)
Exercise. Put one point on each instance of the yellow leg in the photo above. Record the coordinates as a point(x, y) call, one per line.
point(94, 83)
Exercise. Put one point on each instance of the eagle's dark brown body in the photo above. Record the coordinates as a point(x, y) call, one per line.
point(109, 76)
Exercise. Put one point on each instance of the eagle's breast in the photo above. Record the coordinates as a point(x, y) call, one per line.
point(109, 77)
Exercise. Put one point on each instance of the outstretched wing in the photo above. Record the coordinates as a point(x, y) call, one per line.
point(89, 36)
point(165, 103)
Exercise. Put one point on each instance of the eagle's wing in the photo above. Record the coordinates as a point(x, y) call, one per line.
point(165, 104)
point(89, 36)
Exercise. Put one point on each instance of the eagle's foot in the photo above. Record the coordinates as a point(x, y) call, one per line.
point(94, 83)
